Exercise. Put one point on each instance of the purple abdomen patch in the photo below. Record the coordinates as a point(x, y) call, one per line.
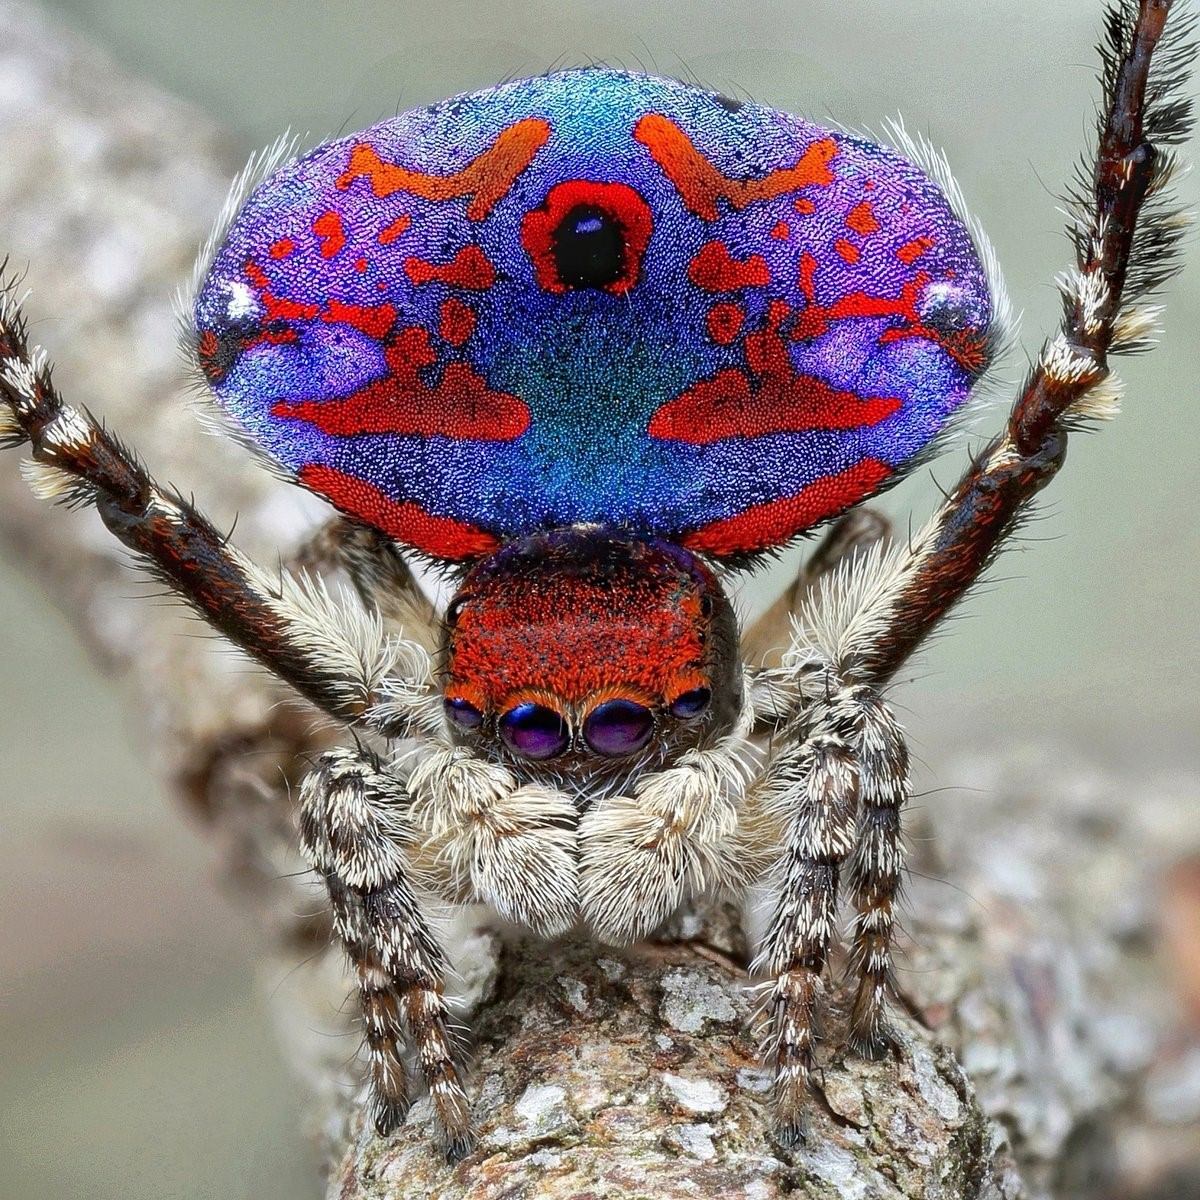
point(595, 296)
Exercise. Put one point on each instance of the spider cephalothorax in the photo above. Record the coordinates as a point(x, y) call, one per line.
point(581, 643)
point(592, 339)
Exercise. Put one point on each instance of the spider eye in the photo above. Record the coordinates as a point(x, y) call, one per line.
point(690, 704)
point(464, 714)
point(454, 609)
point(618, 727)
point(534, 731)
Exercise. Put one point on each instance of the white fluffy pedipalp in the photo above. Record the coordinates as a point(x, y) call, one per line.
point(491, 839)
point(679, 835)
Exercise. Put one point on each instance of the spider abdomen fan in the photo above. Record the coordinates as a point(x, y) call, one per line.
point(595, 297)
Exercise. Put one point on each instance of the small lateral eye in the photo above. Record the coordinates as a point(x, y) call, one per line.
point(690, 704)
point(454, 609)
point(706, 606)
point(534, 731)
point(462, 713)
point(618, 727)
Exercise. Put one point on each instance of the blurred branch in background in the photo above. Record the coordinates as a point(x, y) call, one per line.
point(1059, 964)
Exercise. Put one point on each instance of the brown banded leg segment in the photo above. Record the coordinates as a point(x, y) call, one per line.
point(819, 783)
point(354, 832)
point(877, 865)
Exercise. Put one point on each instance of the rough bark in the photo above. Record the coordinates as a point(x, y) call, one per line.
point(598, 1072)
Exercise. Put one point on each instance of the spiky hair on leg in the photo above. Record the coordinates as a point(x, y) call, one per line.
point(1107, 296)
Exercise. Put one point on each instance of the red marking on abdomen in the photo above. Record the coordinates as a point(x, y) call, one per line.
point(621, 203)
point(700, 183)
point(724, 323)
point(911, 251)
point(847, 251)
point(777, 400)
point(967, 347)
point(456, 321)
point(816, 318)
point(282, 248)
point(469, 268)
point(329, 231)
point(805, 207)
point(389, 233)
point(461, 405)
point(208, 351)
point(808, 274)
point(487, 179)
point(375, 320)
point(405, 521)
point(360, 265)
point(716, 270)
point(776, 521)
point(782, 231)
point(861, 219)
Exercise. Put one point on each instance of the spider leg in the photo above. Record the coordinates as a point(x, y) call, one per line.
point(877, 615)
point(353, 830)
point(840, 786)
point(336, 657)
point(378, 572)
point(1126, 231)
point(817, 784)
point(876, 868)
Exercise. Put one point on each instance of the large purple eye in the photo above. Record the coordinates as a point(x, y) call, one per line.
point(618, 727)
point(534, 731)
point(464, 714)
point(690, 704)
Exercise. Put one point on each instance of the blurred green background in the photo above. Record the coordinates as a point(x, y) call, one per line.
point(129, 1010)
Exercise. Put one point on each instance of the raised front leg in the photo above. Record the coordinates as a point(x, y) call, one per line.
point(354, 831)
point(333, 653)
